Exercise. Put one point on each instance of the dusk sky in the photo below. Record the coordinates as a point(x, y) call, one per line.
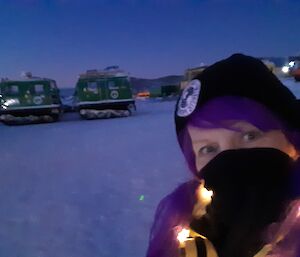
point(148, 38)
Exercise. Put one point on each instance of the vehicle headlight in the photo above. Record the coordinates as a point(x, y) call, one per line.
point(292, 64)
point(285, 69)
point(8, 102)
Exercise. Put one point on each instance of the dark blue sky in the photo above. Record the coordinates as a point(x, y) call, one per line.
point(148, 38)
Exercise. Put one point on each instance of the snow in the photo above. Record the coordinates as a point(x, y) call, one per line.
point(74, 188)
point(81, 188)
point(292, 85)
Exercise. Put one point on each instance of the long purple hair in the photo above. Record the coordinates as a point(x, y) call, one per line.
point(175, 210)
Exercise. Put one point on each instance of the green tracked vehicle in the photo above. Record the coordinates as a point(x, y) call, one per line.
point(104, 94)
point(30, 100)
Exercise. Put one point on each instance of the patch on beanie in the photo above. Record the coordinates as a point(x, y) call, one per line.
point(189, 98)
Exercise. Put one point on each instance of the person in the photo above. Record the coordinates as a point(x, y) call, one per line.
point(238, 128)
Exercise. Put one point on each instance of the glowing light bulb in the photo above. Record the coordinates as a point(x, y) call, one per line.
point(204, 195)
point(204, 198)
point(183, 235)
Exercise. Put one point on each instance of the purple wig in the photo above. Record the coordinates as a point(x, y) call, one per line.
point(175, 210)
point(221, 112)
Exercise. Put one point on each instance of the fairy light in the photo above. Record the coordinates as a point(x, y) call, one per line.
point(204, 195)
point(298, 214)
point(204, 198)
point(183, 235)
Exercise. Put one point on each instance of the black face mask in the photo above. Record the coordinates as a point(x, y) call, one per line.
point(252, 188)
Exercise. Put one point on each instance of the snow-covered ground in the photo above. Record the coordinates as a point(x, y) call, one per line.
point(292, 85)
point(88, 188)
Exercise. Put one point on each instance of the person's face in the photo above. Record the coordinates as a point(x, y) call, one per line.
point(207, 143)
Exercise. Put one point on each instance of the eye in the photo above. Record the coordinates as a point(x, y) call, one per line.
point(251, 135)
point(208, 149)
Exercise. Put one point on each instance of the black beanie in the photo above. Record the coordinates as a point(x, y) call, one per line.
point(238, 75)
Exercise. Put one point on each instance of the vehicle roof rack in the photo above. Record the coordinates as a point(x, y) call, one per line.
point(110, 71)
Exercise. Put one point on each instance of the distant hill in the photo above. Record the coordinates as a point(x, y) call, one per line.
point(140, 84)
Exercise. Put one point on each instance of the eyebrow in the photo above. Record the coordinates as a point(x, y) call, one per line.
point(201, 141)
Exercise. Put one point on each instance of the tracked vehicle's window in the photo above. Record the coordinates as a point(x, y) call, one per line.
point(92, 87)
point(111, 84)
point(39, 88)
point(13, 90)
